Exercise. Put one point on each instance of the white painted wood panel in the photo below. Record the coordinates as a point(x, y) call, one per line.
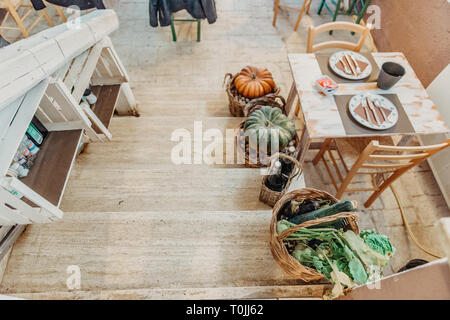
point(82, 82)
point(7, 116)
point(75, 69)
point(31, 60)
point(440, 163)
point(46, 210)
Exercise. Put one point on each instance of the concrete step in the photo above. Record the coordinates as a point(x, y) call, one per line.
point(164, 249)
point(139, 143)
point(201, 108)
point(136, 171)
point(171, 188)
point(227, 293)
point(177, 93)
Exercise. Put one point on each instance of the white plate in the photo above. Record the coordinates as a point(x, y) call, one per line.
point(391, 120)
point(338, 55)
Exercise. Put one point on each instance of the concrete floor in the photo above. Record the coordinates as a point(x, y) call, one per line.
point(135, 222)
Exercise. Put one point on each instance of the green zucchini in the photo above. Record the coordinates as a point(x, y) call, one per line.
point(343, 206)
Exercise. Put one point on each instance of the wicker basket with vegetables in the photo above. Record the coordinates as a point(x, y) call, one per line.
point(250, 83)
point(265, 127)
point(313, 236)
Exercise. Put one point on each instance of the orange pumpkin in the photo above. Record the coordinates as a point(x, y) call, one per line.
point(253, 82)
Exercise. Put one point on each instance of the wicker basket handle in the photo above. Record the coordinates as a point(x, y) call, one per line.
point(269, 99)
point(298, 166)
point(227, 75)
point(310, 223)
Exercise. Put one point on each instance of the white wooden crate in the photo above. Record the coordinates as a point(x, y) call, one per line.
point(45, 76)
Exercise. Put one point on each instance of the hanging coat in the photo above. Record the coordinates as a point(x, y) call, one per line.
point(161, 10)
point(82, 4)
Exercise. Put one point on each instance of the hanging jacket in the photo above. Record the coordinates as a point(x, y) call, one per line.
point(161, 10)
point(82, 4)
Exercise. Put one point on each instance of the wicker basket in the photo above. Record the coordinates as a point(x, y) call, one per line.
point(272, 100)
point(244, 152)
point(269, 196)
point(237, 104)
point(286, 261)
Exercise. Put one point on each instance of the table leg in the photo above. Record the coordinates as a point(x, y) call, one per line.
point(321, 7)
point(307, 8)
point(291, 98)
point(338, 5)
point(60, 13)
point(362, 12)
point(300, 15)
point(323, 149)
point(172, 27)
point(199, 28)
point(275, 12)
point(305, 142)
point(405, 140)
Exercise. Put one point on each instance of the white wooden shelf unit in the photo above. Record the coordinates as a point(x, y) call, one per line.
point(46, 76)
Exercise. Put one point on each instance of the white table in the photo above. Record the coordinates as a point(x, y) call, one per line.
point(320, 114)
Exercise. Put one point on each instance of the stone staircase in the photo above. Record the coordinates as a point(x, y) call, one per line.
point(153, 254)
point(140, 227)
point(259, 292)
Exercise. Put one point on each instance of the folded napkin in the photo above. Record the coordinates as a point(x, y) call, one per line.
point(359, 110)
point(362, 65)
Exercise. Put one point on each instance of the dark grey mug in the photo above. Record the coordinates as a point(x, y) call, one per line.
point(389, 75)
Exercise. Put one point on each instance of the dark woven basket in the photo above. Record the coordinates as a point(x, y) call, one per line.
point(269, 196)
point(286, 261)
point(236, 102)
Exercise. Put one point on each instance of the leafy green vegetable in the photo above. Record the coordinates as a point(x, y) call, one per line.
point(344, 258)
point(378, 242)
point(341, 282)
point(308, 257)
point(370, 258)
point(283, 225)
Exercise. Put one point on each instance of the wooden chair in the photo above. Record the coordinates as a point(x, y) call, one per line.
point(277, 5)
point(314, 31)
point(13, 7)
point(59, 11)
point(383, 168)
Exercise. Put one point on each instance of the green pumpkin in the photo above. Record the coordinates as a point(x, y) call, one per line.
point(262, 122)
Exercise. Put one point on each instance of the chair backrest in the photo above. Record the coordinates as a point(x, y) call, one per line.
point(395, 158)
point(400, 160)
point(353, 27)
